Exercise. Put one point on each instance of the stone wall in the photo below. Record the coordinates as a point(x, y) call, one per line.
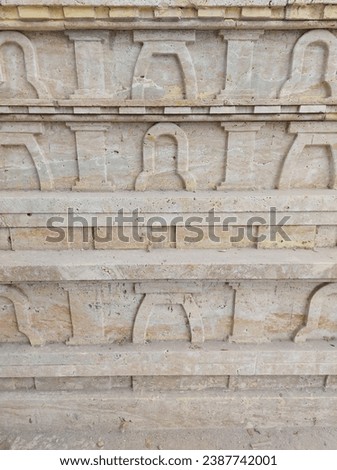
point(168, 228)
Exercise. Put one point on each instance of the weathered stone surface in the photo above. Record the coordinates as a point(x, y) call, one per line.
point(147, 411)
point(192, 156)
point(190, 311)
point(126, 65)
point(154, 159)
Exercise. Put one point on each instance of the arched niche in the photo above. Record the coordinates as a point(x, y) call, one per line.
point(149, 155)
point(30, 61)
point(315, 311)
point(297, 82)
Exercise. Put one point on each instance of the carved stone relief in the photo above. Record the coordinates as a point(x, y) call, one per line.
point(127, 313)
point(240, 154)
point(91, 157)
point(30, 62)
point(149, 155)
point(309, 134)
point(239, 65)
point(316, 312)
point(164, 43)
point(302, 78)
point(171, 294)
point(25, 135)
point(22, 315)
point(304, 70)
point(89, 57)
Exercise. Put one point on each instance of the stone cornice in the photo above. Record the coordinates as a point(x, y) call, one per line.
point(172, 3)
point(62, 13)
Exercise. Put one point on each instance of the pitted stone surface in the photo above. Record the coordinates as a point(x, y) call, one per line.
point(168, 217)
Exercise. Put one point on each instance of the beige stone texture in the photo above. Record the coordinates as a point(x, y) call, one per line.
point(174, 13)
point(255, 12)
point(79, 12)
point(44, 239)
point(304, 12)
point(123, 12)
point(9, 12)
point(311, 82)
point(330, 12)
point(297, 237)
point(189, 121)
point(33, 12)
point(127, 238)
point(211, 12)
point(206, 237)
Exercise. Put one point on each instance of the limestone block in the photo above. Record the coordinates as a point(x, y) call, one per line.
point(290, 237)
point(211, 12)
point(173, 13)
point(14, 384)
point(277, 382)
point(294, 12)
point(75, 238)
point(196, 236)
point(183, 383)
point(9, 12)
point(233, 12)
point(256, 12)
point(129, 238)
point(330, 12)
point(28, 12)
point(129, 13)
point(51, 384)
point(79, 12)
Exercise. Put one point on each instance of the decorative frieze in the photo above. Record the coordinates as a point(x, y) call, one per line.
point(168, 216)
point(241, 67)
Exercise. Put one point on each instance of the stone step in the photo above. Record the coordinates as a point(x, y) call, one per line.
point(125, 410)
point(135, 265)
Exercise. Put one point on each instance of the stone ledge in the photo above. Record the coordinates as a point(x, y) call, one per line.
point(165, 264)
point(306, 207)
point(170, 359)
point(46, 411)
point(50, 202)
